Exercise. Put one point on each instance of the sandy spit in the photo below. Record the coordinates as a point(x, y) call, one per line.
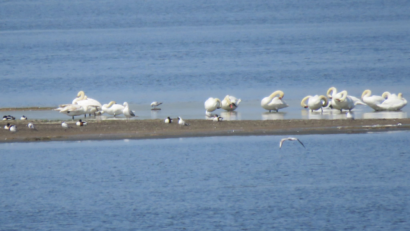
point(146, 129)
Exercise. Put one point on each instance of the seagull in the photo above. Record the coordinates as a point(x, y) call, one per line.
point(217, 118)
point(182, 122)
point(64, 125)
point(13, 128)
point(290, 139)
point(23, 117)
point(168, 120)
point(127, 112)
point(7, 126)
point(155, 103)
point(31, 126)
point(81, 123)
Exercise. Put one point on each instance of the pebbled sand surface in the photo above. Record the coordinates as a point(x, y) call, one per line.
point(145, 129)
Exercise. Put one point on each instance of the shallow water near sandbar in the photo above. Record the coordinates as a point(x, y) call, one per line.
point(346, 181)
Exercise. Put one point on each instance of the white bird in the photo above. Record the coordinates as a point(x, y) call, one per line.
point(81, 123)
point(73, 109)
point(393, 102)
point(212, 104)
point(23, 118)
point(13, 128)
point(314, 102)
point(64, 125)
point(168, 120)
point(112, 108)
point(31, 126)
point(274, 102)
point(341, 100)
point(230, 103)
point(7, 126)
point(290, 139)
point(182, 122)
point(83, 100)
point(217, 118)
point(372, 100)
point(155, 103)
point(127, 111)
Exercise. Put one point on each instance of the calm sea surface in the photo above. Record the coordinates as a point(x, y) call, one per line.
point(339, 182)
point(182, 52)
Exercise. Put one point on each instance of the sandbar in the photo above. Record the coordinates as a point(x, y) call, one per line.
point(155, 128)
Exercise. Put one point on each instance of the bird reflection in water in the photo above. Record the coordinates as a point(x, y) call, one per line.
point(273, 115)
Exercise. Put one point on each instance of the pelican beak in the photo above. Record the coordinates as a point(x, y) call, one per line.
point(306, 106)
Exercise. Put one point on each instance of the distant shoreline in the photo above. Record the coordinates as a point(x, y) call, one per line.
point(149, 129)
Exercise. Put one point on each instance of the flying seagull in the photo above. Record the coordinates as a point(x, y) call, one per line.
point(290, 139)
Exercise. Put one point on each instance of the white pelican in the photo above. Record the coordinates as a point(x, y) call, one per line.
point(168, 120)
point(349, 104)
point(64, 125)
point(230, 103)
point(290, 139)
point(372, 101)
point(81, 123)
point(314, 102)
point(31, 126)
point(393, 102)
point(13, 128)
point(127, 111)
point(274, 103)
point(182, 122)
point(23, 117)
point(217, 118)
point(7, 126)
point(212, 104)
point(112, 108)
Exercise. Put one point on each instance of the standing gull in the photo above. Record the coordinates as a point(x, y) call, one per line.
point(155, 104)
point(31, 126)
point(127, 112)
point(290, 139)
point(182, 122)
point(64, 125)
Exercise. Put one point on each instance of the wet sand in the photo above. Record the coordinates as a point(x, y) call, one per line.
point(145, 129)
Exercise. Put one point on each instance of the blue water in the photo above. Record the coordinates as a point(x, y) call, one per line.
point(339, 182)
point(186, 51)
